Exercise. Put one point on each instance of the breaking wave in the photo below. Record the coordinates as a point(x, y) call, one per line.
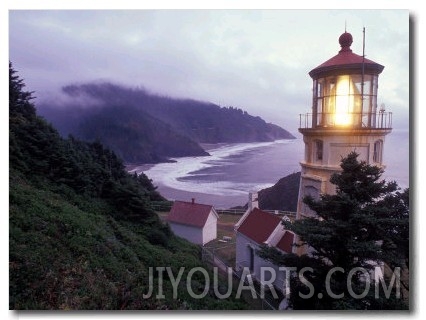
point(217, 174)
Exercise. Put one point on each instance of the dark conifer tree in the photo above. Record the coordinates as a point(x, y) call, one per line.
point(363, 225)
point(19, 99)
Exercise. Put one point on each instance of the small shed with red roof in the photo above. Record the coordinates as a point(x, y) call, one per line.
point(193, 221)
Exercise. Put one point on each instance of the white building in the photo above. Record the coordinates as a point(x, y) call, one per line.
point(255, 228)
point(195, 222)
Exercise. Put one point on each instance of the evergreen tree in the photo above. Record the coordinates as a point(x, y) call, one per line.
point(19, 99)
point(363, 225)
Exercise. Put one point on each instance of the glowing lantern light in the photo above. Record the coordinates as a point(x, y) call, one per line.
point(344, 90)
point(344, 108)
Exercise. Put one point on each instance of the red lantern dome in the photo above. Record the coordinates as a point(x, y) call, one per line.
point(344, 90)
point(346, 61)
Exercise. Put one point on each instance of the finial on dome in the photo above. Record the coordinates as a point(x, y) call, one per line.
point(345, 41)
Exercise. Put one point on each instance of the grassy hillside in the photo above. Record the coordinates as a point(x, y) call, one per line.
point(67, 252)
point(82, 232)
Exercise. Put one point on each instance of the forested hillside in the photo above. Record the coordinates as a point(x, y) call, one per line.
point(82, 232)
point(282, 195)
point(143, 127)
point(136, 136)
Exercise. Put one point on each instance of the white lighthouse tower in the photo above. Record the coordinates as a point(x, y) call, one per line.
point(344, 118)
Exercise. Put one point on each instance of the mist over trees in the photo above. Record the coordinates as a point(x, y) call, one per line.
point(143, 127)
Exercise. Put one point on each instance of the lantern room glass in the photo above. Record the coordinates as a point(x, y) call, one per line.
point(341, 100)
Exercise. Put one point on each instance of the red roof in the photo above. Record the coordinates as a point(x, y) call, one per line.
point(188, 213)
point(259, 225)
point(286, 242)
point(346, 59)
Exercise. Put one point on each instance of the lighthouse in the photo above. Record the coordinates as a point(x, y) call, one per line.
point(345, 117)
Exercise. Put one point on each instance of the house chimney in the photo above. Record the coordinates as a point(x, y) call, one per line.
point(253, 201)
point(193, 200)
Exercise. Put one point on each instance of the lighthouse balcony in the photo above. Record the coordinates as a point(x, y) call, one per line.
point(346, 121)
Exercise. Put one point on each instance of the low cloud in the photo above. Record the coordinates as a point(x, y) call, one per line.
point(251, 59)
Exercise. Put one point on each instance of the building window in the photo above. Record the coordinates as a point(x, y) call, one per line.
point(377, 152)
point(318, 150)
point(251, 258)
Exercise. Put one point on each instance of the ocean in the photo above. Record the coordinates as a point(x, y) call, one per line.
point(226, 177)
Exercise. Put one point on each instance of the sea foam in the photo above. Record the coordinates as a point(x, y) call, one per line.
point(187, 173)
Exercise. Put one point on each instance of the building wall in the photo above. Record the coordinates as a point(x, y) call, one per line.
point(242, 256)
point(316, 173)
point(243, 245)
point(210, 228)
point(192, 234)
point(197, 235)
point(340, 144)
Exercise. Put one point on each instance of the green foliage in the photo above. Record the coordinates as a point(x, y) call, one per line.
point(136, 136)
point(82, 234)
point(66, 252)
point(364, 223)
point(19, 99)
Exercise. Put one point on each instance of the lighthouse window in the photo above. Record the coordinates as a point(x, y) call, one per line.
point(377, 152)
point(318, 149)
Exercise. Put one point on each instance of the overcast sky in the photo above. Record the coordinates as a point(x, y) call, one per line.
point(257, 60)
